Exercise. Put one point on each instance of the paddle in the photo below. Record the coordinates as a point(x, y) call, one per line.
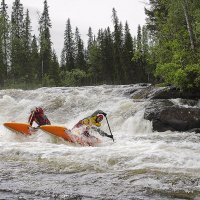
point(30, 119)
point(109, 128)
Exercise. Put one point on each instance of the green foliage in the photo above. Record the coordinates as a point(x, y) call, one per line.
point(47, 81)
point(75, 77)
point(69, 48)
point(193, 76)
point(80, 61)
point(174, 26)
point(45, 39)
point(28, 60)
point(117, 49)
point(183, 78)
point(166, 72)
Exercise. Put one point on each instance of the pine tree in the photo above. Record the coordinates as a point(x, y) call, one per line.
point(69, 47)
point(2, 67)
point(4, 41)
point(93, 62)
point(118, 43)
point(90, 43)
point(107, 57)
point(35, 64)
point(127, 56)
point(139, 39)
point(63, 60)
point(27, 39)
point(16, 41)
point(149, 65)
point(54, 70)
point(80, 62)
point(90, 38)
point(138, 58)
point(45, 40)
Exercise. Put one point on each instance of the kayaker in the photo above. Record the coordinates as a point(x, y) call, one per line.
point(38, 116)
point(92, 122)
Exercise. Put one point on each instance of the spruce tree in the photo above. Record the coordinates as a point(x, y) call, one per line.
point(107, 59)
point(4, 41)
point(90, 43)
point(27, 39)
point(138, 58)
point(35, 64)
point(45, 41)
point(63, 60)
point(90, 38)
point(80, 62)
point(16, 58)
point(69, 47)
point(118, 42)
point(127, 56)
point(149, 66)
point(2, 67)
point(54, 70)
point(93, 61)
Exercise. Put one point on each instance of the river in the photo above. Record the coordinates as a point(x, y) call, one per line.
point(139, 164)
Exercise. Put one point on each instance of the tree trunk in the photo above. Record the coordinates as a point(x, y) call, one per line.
point(189, 26)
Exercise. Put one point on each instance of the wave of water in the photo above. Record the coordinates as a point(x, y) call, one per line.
point(140, 164)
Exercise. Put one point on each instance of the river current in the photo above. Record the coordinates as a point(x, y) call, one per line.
point(139, 164)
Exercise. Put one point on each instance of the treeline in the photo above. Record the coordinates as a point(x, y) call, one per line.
point(165, 50)
point(174, 27)
point(110, 57)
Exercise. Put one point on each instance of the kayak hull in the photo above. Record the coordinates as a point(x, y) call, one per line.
point(66, 134)
point(23, 128)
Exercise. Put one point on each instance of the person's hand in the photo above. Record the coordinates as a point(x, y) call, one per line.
point(110, 136)
point(104, 114)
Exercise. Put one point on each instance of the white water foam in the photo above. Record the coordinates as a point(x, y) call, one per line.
point(136, 146)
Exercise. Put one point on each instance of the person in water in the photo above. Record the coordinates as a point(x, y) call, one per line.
point(92, 122)
point(37, 115)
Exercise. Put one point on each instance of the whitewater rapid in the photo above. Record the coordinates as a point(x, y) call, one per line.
point(139, 164)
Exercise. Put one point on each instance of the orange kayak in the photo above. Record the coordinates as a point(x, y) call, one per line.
point(67, 135)
point(23, 128)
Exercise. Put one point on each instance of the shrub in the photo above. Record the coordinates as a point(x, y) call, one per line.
point(183, 78)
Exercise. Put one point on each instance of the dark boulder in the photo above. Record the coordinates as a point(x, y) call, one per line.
point(166, 116)
point(153, 92)
point(173, 93)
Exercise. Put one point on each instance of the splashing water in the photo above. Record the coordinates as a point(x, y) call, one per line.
point(140, 164)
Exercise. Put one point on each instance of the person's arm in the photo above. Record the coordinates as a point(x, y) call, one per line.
point(31, 118)
point(102, 133)
point(47, 122)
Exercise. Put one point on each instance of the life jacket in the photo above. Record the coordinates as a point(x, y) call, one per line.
point(39, 118)
point(91, 121)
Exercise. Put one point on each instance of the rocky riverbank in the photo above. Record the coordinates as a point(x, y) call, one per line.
point(170, 108)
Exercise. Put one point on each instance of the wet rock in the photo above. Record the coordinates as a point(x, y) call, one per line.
point(155, 107)
point(142, 93)
point(166, 116)
point(153, 92)
point(137, 88)
point(173, 93)
point(196, 130)
point(189, 102)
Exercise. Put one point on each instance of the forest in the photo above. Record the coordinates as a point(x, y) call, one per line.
point(165, 51)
